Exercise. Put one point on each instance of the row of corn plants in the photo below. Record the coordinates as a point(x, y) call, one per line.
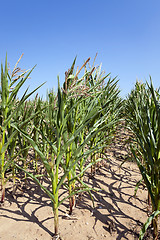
point(143, 119)
point(10, 107)
point(69, 131)
point(66, 133)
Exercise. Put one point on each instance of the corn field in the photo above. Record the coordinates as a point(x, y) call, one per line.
point(66, 135)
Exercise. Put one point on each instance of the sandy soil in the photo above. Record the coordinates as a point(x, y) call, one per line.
point(117, 213)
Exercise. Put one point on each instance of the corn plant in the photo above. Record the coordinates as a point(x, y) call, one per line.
point(9, 108)
point(28, 108)
point(143, 116)
point(109, 101)
point(69, 146)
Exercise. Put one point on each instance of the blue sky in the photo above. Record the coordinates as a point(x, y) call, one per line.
point(124, 33)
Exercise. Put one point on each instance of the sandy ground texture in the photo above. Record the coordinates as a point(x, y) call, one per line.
point(117, 213)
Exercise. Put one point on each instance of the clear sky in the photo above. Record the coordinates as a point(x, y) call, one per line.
point(124, 33)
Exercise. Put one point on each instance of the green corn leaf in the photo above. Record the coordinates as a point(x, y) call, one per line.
point(50, 195)
point(85, 189)
point(137, 186)
point(145, 177)
point(148, 222)
point(19, 105)
point(34, 145)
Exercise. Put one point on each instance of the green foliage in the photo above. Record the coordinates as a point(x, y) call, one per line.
point(66, 132)
point(67, 125)
point(9, 114)
point(143, 117)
